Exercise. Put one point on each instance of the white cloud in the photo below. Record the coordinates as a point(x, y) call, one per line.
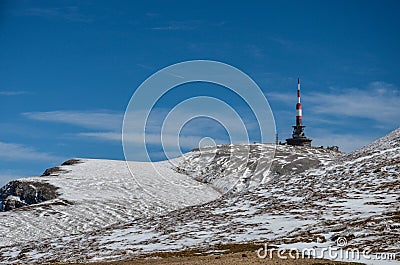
point(281, 97)
point(13, 151)
point(12, 93)
point(172, 144)
point(151, 138)
point(380, 105)
point(6, 177)
point(104, 120)
point(382, 87)
point(346, 142)
point(106, 126)
point(340, 109)
point(110, 124)
point(111, 136)
point(380, 102)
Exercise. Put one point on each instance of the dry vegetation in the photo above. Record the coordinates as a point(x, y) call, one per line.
point(229, 254)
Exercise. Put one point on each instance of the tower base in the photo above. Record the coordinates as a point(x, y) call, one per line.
point(299, 141)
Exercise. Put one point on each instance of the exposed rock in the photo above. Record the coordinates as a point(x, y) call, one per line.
point(12, 202)
point(52, 171)
point(71, 162)
point(19, 193)
point(314, 196)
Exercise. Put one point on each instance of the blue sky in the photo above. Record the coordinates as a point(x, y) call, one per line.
point(69, 68)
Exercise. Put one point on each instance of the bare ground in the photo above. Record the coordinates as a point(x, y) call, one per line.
point(224, 254)
point(246, 257)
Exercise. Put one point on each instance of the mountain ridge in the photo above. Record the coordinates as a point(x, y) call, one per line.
point(355, 196)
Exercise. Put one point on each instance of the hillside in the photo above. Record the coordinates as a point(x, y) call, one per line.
point(307, 197)
point(93, 194)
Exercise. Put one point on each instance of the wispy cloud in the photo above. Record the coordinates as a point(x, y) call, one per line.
point(13, 151)
point(255, 51)
point(13, 93)
point(347, 142)
point(110, 136)
point(379, 101)
point(6, 175)
point(332, 112)
point(145, 66)
point(179, 25)
point(107, 125)
point(296, 45)
point(281, 97)
point(70, 13)
point(5, 178)
point(189, 141)
point(104, 120)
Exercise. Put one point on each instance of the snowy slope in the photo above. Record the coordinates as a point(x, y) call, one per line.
point(98, 193)
point(311, 196)
point(234, 168)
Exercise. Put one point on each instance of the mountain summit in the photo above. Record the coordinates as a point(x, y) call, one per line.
point(303, 196)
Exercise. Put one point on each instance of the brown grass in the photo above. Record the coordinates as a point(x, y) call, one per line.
point(224, 254)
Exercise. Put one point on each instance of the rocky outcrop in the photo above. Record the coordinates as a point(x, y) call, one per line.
point(19, 193)
point(71, 162)
point(23, 192)
point(55, 171)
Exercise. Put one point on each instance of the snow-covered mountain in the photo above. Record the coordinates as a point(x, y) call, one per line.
point(94, 194)
point(303, 195)
point(234, 168)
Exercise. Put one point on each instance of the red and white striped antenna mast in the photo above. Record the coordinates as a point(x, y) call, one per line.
point(298, 136)
point(299, 115)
